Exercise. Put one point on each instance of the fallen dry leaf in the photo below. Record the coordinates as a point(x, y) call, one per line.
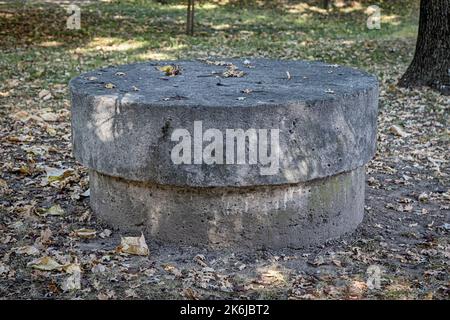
point(44, 95)
point(86, 194)
point(45, 264)
point(216, 63)
point(73, 281)
point(85, 233)
point(201, 260)
point(3, 185)
point(55, 210)
point(189, 293)
point(173, 270)
point(55, 174)
point(423, 197)
point(105, 233)
point(133, 245)
point(288, 75)
point(170, 70)
point(98, 268)
point(110, 86)
point(45, 237)
point(110, 294)
point(21, 115)
point(398, 131)
point(28, 250)
point(21, 138)
point(49, 117)
point(130, 293)
point(233, 72)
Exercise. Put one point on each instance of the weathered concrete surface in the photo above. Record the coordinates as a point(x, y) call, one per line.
point(123, 118)
point(251, 217)
point(326, 116)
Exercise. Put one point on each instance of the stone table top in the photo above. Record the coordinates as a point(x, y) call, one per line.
point(205, 83)
point(124, 118)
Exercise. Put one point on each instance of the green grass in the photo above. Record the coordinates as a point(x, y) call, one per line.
point(36, 46)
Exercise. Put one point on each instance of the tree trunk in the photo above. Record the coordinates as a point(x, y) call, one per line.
point(431, 63)
point(190, 18)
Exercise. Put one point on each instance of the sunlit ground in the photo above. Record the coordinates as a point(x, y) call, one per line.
point(125, 31)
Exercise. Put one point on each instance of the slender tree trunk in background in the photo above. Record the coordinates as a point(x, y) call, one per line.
point(190, 18)
point(326, 4)
point(431, 63)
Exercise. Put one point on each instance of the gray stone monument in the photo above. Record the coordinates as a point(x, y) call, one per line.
point(244, 154)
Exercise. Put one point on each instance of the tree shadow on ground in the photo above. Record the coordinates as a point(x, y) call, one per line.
point(34, 37)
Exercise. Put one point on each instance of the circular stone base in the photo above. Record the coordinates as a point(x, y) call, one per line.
point(291, 215)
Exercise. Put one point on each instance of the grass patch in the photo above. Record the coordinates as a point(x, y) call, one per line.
point(36, 46)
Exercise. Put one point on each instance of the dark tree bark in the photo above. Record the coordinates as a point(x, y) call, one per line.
point(431, 64)
point(190, 18)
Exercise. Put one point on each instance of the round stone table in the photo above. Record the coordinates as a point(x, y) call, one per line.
point(227, 154)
